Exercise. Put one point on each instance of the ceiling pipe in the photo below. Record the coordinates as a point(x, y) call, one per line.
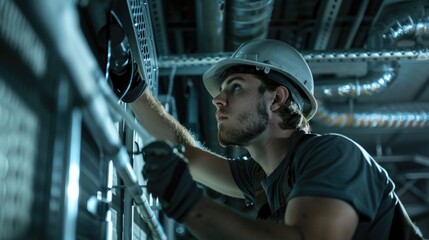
point(407, 22)
point(404, 22)
point(400, 22)
point(197, 64)
point(210, 16)
point(377, 79)
point(249, 20)
point(391, 116)
point(210, 25)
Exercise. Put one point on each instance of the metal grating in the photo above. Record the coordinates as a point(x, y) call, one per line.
point(145, 41)
point(18, 123)
point(18, 131)
point(330, 13)
point(20, 36)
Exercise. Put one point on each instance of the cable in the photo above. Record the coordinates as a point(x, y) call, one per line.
point(130, 81)
point(108, 77)
point(170, 87)
point(109, 52)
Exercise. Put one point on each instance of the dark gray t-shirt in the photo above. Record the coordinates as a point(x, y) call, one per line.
point(329, 165)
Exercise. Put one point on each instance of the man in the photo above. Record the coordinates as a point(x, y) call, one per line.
point(306, 186)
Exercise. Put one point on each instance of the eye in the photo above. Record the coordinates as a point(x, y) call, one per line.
point(235, 87)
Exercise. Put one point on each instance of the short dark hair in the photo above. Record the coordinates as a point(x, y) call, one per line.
point(292, 116)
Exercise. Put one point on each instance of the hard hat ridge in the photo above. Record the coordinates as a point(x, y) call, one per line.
point(269, 56)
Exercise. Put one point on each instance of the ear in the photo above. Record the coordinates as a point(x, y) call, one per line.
point(281, 95)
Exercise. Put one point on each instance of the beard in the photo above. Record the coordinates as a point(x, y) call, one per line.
point(250, 125)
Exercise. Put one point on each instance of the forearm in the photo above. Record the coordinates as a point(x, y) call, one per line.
point(209, 220)
point(152, 115)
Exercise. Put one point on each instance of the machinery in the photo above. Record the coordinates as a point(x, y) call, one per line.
point(70, 152)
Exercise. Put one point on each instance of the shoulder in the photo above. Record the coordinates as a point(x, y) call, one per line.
point(327, 143)
point(329, 151)
point(328, 137)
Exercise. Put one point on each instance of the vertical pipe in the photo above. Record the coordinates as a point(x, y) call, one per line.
point(210, 36)
point(210, 25)
point(249, 20)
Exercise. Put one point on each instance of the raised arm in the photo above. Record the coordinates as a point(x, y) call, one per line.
point(206, 167)
point(152, 115)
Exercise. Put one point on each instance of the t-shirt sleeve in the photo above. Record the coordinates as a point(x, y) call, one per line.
point(336, 167)
point(242, 172)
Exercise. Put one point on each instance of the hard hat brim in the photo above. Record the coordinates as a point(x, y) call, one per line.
point(212, 80)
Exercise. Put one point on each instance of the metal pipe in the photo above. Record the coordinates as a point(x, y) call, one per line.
point(211, 37)
point(80, 66)
point(399, 25)
point(404, 22)
point(124, 168)
point(99, 121)
point(376, 81)
point(196, 64)
point(112, 100)
point(125, 171)
point(210, 25)
point(249, 20)
point(392, 116)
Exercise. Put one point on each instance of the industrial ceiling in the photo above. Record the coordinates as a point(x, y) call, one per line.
point(369, 60)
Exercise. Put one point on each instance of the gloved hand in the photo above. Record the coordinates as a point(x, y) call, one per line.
point(121, 84)
point(169, 179)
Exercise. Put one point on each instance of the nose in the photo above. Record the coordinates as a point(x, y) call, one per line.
point(219, 100)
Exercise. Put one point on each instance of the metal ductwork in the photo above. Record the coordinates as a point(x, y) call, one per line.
point(385, 46)
point(403, 22)
point(210, 25)
point(378, 78)
point(249, 20)
point(392, 116)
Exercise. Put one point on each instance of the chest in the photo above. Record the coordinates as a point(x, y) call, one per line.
point(272, 192)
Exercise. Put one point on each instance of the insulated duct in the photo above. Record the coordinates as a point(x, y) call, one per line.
point(401, 22)
point(392, 116)
point(377, 79)
point(249, 20)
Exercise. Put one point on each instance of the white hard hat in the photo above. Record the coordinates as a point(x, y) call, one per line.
point(269, 55)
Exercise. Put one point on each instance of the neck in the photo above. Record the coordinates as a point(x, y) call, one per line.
point(270, 148)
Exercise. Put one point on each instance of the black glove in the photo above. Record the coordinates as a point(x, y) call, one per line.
point(121, 84)
point(169, 179)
